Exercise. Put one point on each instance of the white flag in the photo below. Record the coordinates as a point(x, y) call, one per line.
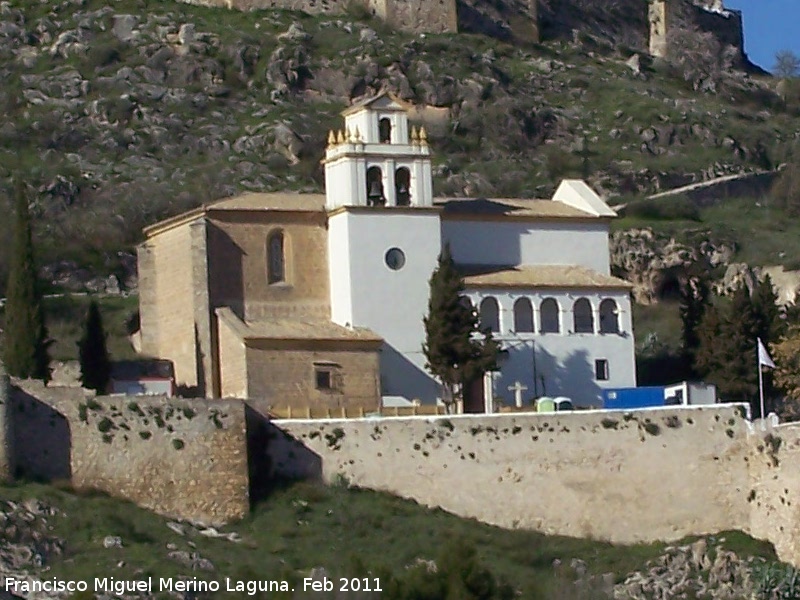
point(763, 356)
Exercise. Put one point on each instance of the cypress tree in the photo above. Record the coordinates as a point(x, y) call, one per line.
point(457, 352)
point(94, 359)
point(26, 343)
point(693, 305)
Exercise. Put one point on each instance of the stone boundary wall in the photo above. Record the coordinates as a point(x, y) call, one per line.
point(613, 475)
point(420, 16)
point(774, 495)
point(181, 458)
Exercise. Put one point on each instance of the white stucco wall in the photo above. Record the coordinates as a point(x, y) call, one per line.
point(365, 292)
point(339, 270)
point(564, 361)
point(529, 243)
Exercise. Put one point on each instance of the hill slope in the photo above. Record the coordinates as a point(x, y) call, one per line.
point(123, 114)
point(356, 533)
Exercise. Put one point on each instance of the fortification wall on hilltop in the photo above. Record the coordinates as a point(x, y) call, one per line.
point(620, 476)
point(181, 458)
point(432, 16)
point(623, 477)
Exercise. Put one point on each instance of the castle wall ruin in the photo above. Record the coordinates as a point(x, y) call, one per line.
point(621, 476)
point(181, 458)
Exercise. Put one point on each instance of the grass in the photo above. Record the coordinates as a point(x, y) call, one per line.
point(760, 233)
point(663, 320)
point(305, 525)
point(66, 316)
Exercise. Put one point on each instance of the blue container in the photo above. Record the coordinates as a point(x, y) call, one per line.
point(641, 397)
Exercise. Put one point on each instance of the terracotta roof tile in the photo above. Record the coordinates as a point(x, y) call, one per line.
point(540, 276)
point(289, 329)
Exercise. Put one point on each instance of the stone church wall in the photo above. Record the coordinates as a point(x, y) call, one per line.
point(237, 243)
point(181, 458)
point(167, 323)
point(284, 373)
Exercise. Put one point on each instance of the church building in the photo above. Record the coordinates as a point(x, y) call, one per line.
point(319, 300)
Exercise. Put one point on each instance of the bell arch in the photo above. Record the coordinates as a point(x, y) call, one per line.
point(375, 195)
point(402, 186)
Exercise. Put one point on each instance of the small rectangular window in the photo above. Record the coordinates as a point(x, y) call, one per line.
point(324, 378)
point(601, 369)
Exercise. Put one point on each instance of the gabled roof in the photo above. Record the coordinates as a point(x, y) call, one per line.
point(539, 276)
point(284, 202)
point(273, 202)
point(385, 101)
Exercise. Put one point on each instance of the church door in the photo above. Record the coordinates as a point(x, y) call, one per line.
point(474, 401)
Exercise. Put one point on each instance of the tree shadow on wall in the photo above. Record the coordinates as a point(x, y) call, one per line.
point(41, 442)
point(275, 459)
point(573, 377)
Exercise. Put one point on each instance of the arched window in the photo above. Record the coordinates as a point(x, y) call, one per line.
point(402, 186)
point(375, 195)
point(276, 261)
point(548, 316)
point(609, 316)
point(523, 316)
point(385, 130)
point(490, 315)
point(582, 316)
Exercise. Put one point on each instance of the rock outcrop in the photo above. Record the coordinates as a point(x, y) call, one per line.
point(658, 266)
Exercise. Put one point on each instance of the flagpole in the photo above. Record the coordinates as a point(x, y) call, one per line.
point(761, 388)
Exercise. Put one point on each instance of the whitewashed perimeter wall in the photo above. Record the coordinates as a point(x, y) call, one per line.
point(613, 475)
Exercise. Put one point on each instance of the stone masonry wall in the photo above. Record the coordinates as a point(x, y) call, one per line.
point(232, 362)
point(286, 375)
point(619, 476)
point(429, 16)
point(237, 246)
point(167, 312)
point(181, 458)
point(774, 495)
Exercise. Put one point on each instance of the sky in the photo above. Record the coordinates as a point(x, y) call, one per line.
point(769, 26)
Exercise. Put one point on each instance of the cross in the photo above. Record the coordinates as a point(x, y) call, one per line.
point(517, 388)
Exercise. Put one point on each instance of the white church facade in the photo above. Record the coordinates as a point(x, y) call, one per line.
point(329, 293)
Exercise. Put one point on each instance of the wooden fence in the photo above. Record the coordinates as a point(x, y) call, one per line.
point(352, 412)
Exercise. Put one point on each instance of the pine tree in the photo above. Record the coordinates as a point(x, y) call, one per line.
point(94, 359)
point(727, 355)
point(457, 352)
point(26, 343)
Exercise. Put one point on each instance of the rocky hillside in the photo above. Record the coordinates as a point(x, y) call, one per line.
point(311, 531)
point(119, 114)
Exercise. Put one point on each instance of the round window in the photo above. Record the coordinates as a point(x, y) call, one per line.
point(395, 259)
